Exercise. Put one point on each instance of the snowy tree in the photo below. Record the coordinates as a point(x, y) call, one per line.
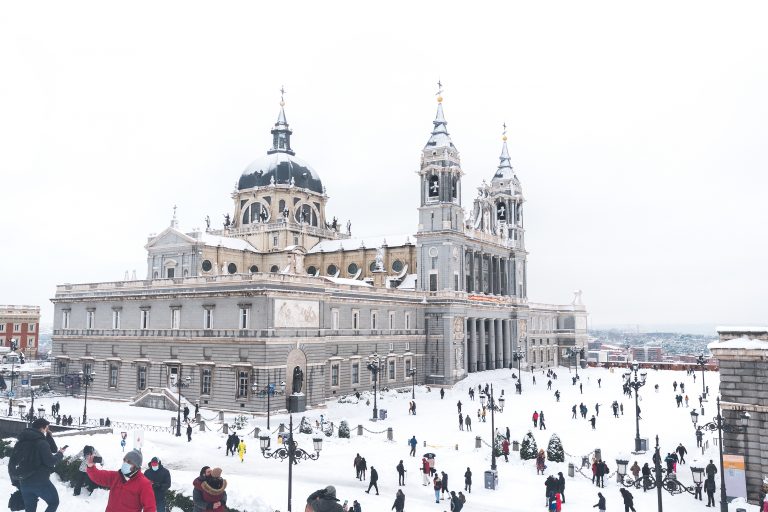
point(344, 429)
point(305, 427)
point(555, 452)
point(528, 448)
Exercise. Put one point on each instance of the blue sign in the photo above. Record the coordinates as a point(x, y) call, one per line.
point(25, 382)
point(11, 394)
point(271, 389)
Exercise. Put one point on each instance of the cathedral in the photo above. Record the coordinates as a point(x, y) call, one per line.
point(284, 301)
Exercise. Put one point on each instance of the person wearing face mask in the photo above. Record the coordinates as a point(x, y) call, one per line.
point(161, 481)
point(129, 489)
point(31, 464)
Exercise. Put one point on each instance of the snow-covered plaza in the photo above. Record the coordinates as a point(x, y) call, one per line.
point(260, 485)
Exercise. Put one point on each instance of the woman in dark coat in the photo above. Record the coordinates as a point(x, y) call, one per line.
point(399, 503)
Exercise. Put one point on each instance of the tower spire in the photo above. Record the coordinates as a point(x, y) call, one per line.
point(440, 136)
point(504, 160)
point(281, 133)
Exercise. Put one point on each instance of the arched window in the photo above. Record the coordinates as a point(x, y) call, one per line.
point(332, 270)
point(254, 269)
point(397, 266)
point(207, 265)
point(232, 268)
point(312, 270)
point(274, 269)
point(433, 185)
point(352, 269)
point(255, 212)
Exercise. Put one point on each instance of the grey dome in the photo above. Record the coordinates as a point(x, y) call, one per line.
point(282, 167)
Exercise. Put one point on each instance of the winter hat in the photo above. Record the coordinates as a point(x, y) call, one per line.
point(40, 423)
point(216, 472)
point(330, 492)
point(134, 457)
point(154, 460)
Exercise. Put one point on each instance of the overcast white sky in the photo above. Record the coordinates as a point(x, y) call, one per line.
point(638, 132)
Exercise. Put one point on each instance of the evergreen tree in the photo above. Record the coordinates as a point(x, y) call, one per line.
point(555, 452)
point(528, 448)
point(344, 429)
point(497, 444)
point(304, 426)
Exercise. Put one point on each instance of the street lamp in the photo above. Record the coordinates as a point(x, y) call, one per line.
point(412, 375)
point(14, 346)
point(702, 362)
point(719, 424)
point(179, 385)
point(492, 406)
point(87, 378)
point(575, 354)
point(518, 356)
point(636, 385)
point(375, 366)
point(292, 452)
point(269, 389)
point(501, 404)
point(668, 482)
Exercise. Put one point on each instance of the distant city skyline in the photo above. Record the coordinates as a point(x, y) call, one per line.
point(638, 135)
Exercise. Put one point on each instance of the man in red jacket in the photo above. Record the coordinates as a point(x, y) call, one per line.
point(129, 489)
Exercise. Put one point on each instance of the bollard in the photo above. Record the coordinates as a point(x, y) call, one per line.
point(456, 447)
point(198, 417)
point(256, 432)
point(515, 446)
point(571, 469)
point(173, 422)
point(389, 434)
point(281, 428)
point(425, 444)
point(598, 454)
point(225, 429)
point(202, 426)
point(221, 415)
point(478, 442)
point(359, 430)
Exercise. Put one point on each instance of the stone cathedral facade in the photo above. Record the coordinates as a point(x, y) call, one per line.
point(228, 312)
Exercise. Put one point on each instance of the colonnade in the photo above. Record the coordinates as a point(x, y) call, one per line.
point(489, 343)
point(494, 275)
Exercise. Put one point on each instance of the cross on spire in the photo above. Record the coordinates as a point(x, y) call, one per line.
point(439, 88)
point(282, 93)
point(505, 128)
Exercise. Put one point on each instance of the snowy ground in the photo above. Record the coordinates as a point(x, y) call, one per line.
point(260, 485)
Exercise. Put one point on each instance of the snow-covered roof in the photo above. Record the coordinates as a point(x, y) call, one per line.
point(226, 242)
point(739, 343)
point(731, 328)
point(352, 244)
point(342, 280)
point(409, 282)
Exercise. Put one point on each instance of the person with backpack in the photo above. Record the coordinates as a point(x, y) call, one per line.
point(468, 481)
point(399, 503)
point(374, 481)
point(31, 463)
point(400, 473)
point(456, 503)
point(412, 443)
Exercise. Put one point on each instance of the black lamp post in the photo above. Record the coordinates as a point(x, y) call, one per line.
point(702, 363)
point(412, 375)
point(14, 346)
point(575, 354)
point(88, 379)
point(269, 390)
point(718, 423)
point(669, 483)
point(636, 384)
point(292, 452)
point(375, 367)
point(518, 356)
point(179, 385)
point(492, 406)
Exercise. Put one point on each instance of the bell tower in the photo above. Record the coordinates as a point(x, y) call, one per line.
point(441, 217)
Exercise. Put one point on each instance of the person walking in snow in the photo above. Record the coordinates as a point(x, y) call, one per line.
point(541, 458)
point(363, 467)
point(468, 481)
point(681, 451)
point(581, 388)
point(356, 465)
point(699, 437)
point(635, 469)
point(189, 433)
point(241, 449)
point(425, 470)
point(628, 500)
point(646, 477)
point(674, 386)
point(442, 393)
point(592, 420)
point(557, 395)
point(461, 422)
point(456, 503)
point(468, 422)
point(599, 385)
point(399, 503)
point(437, 486)
point(597, 409)
point(600, 505)
point(483, 415)
point(535, 419)
point(621, 408)
point(161, 481)
point(573, 410)
point(542, 426)
point(374, 481)
point(505, 449)
point(561, 485)
point(602, 470)
point(186, 413)
point(549, 385)
point(458, 405)
point(443, 484)
point(400, 473)
point(709, 488)
point(412, 442)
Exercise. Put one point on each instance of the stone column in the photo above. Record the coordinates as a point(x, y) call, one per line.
point(499, 343)
point(481, 345)
point(472, 345)
point(491, 363)
point(507, 343)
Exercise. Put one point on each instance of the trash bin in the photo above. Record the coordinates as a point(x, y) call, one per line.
point(382, 414)
point(101, 422)
point(491, 479)
point(571, 469)
point(598, 454)
point(515, 446)
point(478, 442)
point(643, 444)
